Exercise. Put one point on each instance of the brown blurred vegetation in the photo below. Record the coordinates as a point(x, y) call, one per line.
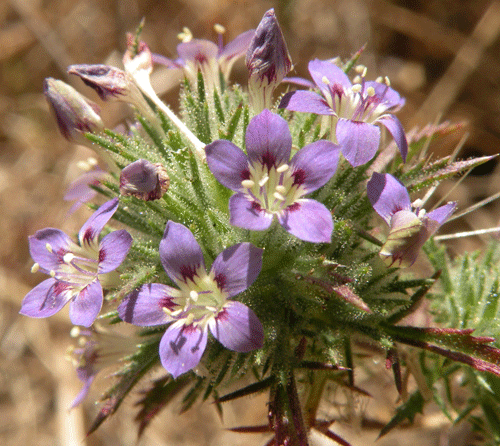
point(441, 54)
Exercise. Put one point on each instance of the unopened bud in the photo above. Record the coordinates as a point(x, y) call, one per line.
point(144, 180)
point(75, 114)
point(268, 61)
point(107, 81)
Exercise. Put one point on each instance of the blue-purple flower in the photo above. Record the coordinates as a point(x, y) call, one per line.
point(355, 109)
point(208, 57)
point(410, 225)
point(200, 302)
point(78, 272)
point(269, 185)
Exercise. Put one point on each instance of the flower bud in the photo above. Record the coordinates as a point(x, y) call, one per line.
point(144, 180)
point(107, 81)
point(268, 61)
point(75, 114)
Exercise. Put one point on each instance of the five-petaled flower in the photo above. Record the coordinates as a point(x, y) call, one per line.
point(410, 225)
point(78, 271)
point(354, 110)
point(200, 301)
point(268, 184)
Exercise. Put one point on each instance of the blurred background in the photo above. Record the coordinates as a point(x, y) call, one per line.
point(442, 55)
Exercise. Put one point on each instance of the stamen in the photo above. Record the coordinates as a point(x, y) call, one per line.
point(359, 69)
point(35, 268)
point(363, 74)
point(219, 29)
point(418, 203)
point(193, 295)
point(263, 181)
point(356, 88)
point(68, 257)
point(92, 161)
point(189, 319)
point(281, 189)
point(248, 184)
point(379, 80)
point(282, 168)
point(370, 91)
point(357, 80)
point(75, 332)
point(186, 35)
point(387, 81)
point(421, 213)
point(278, 196)
point(48, 247)
point(52, 273)
point(325, 80)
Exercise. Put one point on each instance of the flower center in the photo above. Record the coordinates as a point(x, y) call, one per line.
point(273, 188)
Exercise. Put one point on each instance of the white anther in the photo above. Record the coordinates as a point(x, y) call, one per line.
point(421, 213)
point(189, 319)
point(357, 80)
point(281, 189)
point(363, 74)
point(418, 203)
point(278, 196)
point(379, 80)
point(193, 295)
point(75, 332)
point(92, 161)
point(248, 184)
point(282, 168)
point(219, 29)
point(68, 257)
point(186, 35)
point(52, 273)
point(263, 181)
point(48, 247)
point(359, 69)
point(356, 88)
point(325, 80)
point(370, 91)
point(35, 268)
point(387, 81)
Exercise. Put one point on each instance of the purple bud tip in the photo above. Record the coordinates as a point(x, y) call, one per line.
point(105, 80)
point(144, 180)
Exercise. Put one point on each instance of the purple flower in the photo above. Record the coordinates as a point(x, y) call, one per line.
point(98, 348)
point(144, 180)
point(80, 190)
point(206, 56)
point(268, 61)
point(410, 226)
point(199, 302)
point(78, 272)
point(268, 184)
point(354, 110)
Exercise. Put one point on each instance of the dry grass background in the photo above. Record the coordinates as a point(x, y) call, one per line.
point(441, 54)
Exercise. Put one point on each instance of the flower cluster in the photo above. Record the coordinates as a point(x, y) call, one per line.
point(282, 207)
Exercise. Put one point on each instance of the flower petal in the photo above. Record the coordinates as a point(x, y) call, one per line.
point(113, 249)
point(358, 140)
point(182, 347)
point(93, 226)
point(46, 299)
point(308, 220)
point(145, 306)
point(237, 328)
point(306, 101)
point(228, 163)
point(317, 163)
point(319, 69)
point(397, 131)
point(197, 50)
point(441, 214)
point(237, 47)
point(85, 307)
point(244, 213)
point(268, 139)
point(387, 195)
point(387, 96)
point(237, 267)
point(180, 253)
point(58, 243)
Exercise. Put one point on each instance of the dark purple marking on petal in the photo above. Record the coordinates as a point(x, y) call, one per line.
point(46, 299)
point(85, 307)
point(60, 243)
point(113, 249)
point(299, 177)
point(94, 225)
point(248, 214)
point(306, 101)
point(181, 348)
